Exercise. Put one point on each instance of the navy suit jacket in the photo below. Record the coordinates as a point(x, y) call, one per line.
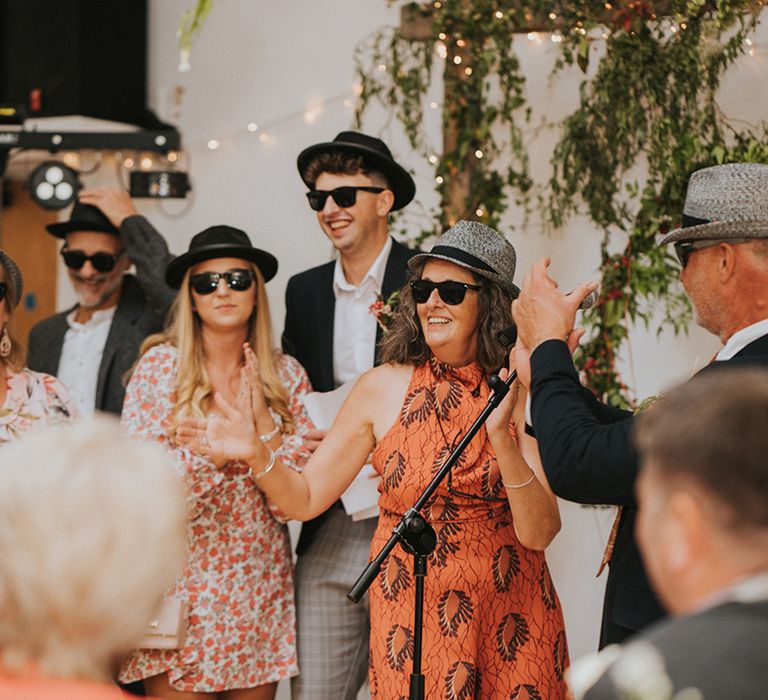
point(589, 456)
point(308, 333)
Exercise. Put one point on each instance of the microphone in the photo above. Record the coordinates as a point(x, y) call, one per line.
point(508, 336)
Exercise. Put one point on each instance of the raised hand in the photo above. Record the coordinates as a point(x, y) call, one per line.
point(499, 420)
point(115, 204)
point(259, 404)
point(543, 312)
point(229, 435)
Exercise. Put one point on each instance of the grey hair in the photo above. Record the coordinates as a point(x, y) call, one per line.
point(92, 532)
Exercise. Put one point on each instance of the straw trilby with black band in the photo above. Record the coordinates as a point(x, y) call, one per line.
point(725, 202)
point(476, 247)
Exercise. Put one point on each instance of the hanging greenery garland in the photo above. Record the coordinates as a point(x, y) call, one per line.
point(650, 101)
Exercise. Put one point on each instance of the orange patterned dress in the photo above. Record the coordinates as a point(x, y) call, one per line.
point(493, 627)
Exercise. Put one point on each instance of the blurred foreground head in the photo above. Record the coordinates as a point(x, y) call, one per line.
point(703, 488)
point(92, 532)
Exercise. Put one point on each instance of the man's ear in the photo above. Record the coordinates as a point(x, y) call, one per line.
point(385, 202)
point(686, 531)
point(727, 261)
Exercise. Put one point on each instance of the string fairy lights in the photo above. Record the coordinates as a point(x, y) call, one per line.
point(264, 130)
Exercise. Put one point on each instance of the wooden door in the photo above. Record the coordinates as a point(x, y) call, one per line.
point(24, 238)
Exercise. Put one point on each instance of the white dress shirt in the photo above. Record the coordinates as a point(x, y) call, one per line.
point(740, 339)
point(81, 357)
point(354, 326)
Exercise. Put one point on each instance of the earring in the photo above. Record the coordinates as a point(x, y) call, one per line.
point(5, 343)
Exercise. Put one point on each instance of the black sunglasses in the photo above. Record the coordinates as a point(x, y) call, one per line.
point(343, 196)
point(3, 290)
point(102, 262)
point(683, 249)
point(208, 282)
point(450, 291)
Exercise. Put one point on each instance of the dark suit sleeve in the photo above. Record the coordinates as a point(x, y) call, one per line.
point(288, 339)
point(586, 447)
point(34, 345)
point(149, 252)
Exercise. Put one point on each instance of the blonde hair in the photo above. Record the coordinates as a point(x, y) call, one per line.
point(92, 533)
point(194, 393)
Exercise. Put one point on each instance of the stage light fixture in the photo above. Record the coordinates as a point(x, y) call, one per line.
point(53, 185)
point(159, 183)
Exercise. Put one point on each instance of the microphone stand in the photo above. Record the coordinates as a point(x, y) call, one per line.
point(418, 538)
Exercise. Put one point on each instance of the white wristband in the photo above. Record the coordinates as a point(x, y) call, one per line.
point(271, 434)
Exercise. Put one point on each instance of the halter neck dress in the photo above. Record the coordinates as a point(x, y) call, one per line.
point(493, 626)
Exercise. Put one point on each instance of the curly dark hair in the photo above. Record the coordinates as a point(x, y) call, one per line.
point(404, 342)
point(342, 163)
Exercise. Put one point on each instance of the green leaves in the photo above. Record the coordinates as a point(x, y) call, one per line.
point(649, 103)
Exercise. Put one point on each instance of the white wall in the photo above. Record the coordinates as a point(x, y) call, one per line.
point(268, 62)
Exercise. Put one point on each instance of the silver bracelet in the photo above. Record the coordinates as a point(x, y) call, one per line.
point(267, 468)
point(271, 434)
point(519, 486)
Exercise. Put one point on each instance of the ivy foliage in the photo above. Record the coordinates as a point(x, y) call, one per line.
point(650, 102)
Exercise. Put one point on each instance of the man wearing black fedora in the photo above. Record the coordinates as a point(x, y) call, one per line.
point(92, 345)
point(354, 183)
point(586, 447)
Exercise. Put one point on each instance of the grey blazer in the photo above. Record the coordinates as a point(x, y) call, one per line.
point(141, 311)
point(720, 652)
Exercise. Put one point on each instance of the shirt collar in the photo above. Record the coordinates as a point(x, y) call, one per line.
point(374, 276)
point(741, 338)
point(97, 317)
point(751, 588)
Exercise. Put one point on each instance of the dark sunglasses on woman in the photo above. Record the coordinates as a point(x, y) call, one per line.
point(450, 291)
point(102, 262)
point(208, 282)
point(343, 196)
point(3, 290)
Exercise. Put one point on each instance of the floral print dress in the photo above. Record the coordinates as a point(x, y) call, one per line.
point(493, 627)
point(33, 399)
point(238, 576)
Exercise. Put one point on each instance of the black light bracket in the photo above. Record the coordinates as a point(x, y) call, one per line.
point(160, 140)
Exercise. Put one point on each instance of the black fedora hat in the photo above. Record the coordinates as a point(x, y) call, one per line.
point(376, 155)
point(83, 217)
point(220, 242)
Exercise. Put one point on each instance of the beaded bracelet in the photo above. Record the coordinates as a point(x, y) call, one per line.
point(519, 486)
point(271, 434)
point(267, 468)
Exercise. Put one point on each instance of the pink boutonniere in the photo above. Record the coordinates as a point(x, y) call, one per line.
point(384, 310)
